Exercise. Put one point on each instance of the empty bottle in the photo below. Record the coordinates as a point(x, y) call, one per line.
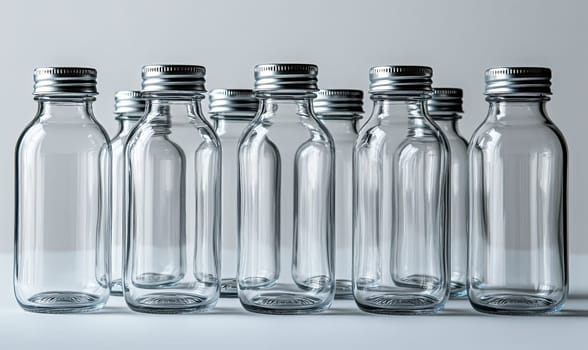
point(231, 111)
point(518, 187)
point(62, 231)
point(286, 197)
point(445, 108)
point(173, 161)
point(128, 109)
point(340, 111)
point(401, 223)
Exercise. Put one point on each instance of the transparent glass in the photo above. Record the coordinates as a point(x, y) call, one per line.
point(229, 131)
point(173, 160)
point(518, 219)
point(118, 202)
point(401, 222)
point(344, 132)
point(286, 209)
point(458, 193)
point(62, 221)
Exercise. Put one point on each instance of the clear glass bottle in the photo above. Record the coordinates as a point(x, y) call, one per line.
point(401, 222)
point(286, 197)
point(231, 111)
point(340, 110)
point(518, 158)
point(445, 108)
point(62, 219)
point(129, 107)
point(173, 160)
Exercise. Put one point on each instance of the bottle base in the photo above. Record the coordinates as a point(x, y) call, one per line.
point(343, 289)
point(150, 280)
point(458, 290)
point(228, 288)
point(285, 304)
point(396, 304)
point(63, 302)
point(171, 303)
point(509, 304)
point(116, 288)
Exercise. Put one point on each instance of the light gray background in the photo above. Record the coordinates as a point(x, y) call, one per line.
point(459, 39)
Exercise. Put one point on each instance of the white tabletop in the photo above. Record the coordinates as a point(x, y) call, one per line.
point(342, 327)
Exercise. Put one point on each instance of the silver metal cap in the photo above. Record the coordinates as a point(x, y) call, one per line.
point(129, 104)
point(445, 101)
point(338, 102)
point(518, 81)
point(232, 103)
point(286, 78)
point(64, 81)
point(401, 80)
point(173, 79)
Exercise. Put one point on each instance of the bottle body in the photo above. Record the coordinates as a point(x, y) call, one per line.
point(229, 131)
point(401, 165)
point(118, 203)
point(458, 197)
point(286, 223)
point(518, 219)
point(344, 135)
point(62, 229)
point(173, 188)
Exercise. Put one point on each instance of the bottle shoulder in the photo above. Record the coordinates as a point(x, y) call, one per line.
point(229, 136)
point(456, 141)
point(118, 142)
point(399, 133)
point(344, 139)
point(184, 133)
point(281, 132)
point(509, 137)
point(75, 136)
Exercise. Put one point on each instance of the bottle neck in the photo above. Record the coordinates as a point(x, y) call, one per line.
point(409, 112)
point(448, 124)
point(233, 125)
point(174, 110)
point(65, 108)
point(343, 125)
point(290, 106)
point(126, 124)
point(510, 109)
point(387, 108)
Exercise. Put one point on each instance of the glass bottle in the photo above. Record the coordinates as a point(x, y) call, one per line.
point(445, 108)
point(173, 160)
point(286, 197)
point(128, 109)
point(231, 111)
point(340, 111)
point(518, 198)
point(62, 219)
point(401, 222)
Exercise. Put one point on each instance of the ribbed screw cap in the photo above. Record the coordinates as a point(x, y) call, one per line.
point(518, 81)
point(286, 77)
point(445, 101)
point(238, 103)
point(129, 104)
point(338, 102)
point(173, 79)
point(64, 81)
point(401, 80)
